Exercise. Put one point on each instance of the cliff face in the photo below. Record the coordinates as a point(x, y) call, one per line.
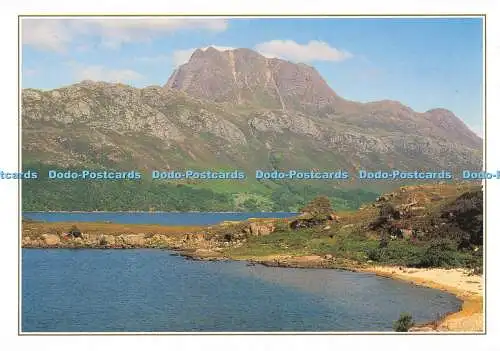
point(243, 76)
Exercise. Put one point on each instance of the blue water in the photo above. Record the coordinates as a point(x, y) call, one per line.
point(154, 291)
point(168, 218)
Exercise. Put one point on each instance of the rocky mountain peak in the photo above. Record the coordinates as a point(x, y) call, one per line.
point(243, 76)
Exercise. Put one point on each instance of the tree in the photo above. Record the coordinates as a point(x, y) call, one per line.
point(320, 208)
point(404, 323)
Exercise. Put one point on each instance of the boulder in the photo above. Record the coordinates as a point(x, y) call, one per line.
point(51, 239)
point(334, 217)
point(198, 237)
point(259, 229)
point(110, 239)
point(157, 239)
point(194, 237)
point(134, 239)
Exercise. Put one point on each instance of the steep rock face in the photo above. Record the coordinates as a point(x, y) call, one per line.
point(243, 76)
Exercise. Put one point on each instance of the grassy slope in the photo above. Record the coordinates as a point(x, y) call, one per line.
point(349, 239)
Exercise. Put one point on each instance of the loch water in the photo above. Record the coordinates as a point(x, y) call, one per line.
point(148, 290)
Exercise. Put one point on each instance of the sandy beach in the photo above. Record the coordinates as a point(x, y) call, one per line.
point(468, 288)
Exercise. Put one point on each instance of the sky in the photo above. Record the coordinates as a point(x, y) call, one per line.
point(424, 63)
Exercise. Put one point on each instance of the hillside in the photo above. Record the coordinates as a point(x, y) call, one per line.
point(437, 225)
point(238, 110)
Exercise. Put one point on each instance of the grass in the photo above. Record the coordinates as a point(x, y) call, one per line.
point(351, 246)
point(35, 229)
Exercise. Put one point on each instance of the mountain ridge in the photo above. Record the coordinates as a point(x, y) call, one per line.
point(203, 59)
point(253, 115)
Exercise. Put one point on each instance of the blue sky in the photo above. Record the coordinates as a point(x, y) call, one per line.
point(422, 62)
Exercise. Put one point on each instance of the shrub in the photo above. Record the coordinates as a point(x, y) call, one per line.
point(375, 254)
point(384, 241)
point(377, 223)
point(388, 210)
point(404, 323)
point(75, 232)
point(440, 253)
point(400, 253)
point(320, 208)
point(466, 212)
point(282, 226)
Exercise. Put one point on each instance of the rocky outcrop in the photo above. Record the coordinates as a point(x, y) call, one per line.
point(50, 239)
point(134, 240)
point(261, 229)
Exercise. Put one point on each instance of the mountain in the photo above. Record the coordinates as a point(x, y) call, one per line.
point(244, 76)
point(237, 109)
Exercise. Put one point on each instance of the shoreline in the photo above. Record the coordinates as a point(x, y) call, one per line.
point(468, 289)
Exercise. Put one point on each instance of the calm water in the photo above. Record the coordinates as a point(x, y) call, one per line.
point(152, 290)
point(169, 218)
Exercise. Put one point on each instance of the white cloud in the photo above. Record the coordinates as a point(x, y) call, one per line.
point(56, 34)
point(180, 57)
point(46, 34)
point(285, 49)
point(101, 73)
point(313, 51)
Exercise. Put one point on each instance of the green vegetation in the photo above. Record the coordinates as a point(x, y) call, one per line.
point(355, 237)
point(145, 195)
point(404, 323)
point(356, 246)
point(319, 208)
point(441, 253)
